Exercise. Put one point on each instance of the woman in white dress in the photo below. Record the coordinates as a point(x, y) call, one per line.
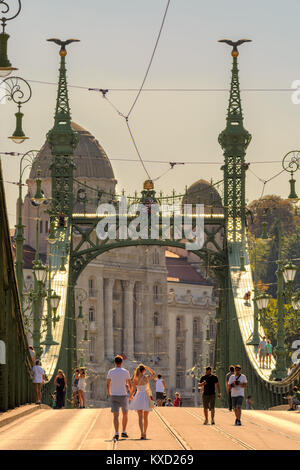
point(142, 401)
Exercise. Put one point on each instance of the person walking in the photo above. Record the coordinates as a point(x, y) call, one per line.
point(75, 388)
point(209, 381)
point(262, 352)
point(269, 350)
point(238, 383)
point(249, 403)
point(32, 354)
point(61, 384)
point(118, 379)
point(177, 400)
point(160, 388)
point(142, 401)
point(81, 388)
point(228, 389)
point(38, 380)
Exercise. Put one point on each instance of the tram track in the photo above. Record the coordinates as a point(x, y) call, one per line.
point(216, 428)
point(183, 444)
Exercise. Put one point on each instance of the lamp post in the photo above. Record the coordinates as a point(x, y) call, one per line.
point(13, 91)
point(5, 65)
point(285, 274)
point(28, 159)
point(291, 164)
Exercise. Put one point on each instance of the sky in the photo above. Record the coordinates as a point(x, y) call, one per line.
point(117, 38)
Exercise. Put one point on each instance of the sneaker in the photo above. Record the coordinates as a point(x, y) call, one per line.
point(124, 434)
point(236, 422)
point(212, 421)
point(116, 437)
point(239, 422)
point(205, 422)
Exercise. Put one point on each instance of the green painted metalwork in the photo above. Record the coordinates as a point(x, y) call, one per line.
point(234, 140)
point(15, 374)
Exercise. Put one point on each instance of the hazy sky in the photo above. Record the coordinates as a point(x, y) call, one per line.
point(117, 39)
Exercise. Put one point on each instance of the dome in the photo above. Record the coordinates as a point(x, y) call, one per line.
point(89, 157)
point(202, 192)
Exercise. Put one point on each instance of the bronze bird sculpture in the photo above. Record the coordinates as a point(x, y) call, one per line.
point(63, 44)
point(234, 44)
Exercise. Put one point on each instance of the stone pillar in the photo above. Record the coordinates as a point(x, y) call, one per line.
point(108, 317)
point(139, 321)
point(128, 319)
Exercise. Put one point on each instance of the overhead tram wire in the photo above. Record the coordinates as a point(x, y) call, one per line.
point(126, 117)
point(171, 90)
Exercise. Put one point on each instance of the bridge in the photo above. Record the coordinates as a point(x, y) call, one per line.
point(75, 245)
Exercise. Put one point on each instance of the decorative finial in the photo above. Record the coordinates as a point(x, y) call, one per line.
point(235, 51)
point(63, 45)
point(148, 184)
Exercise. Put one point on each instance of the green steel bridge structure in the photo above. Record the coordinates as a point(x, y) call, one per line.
point(224, 250)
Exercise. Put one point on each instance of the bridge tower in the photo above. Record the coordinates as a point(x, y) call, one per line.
point(234, 140)
point(63, 140)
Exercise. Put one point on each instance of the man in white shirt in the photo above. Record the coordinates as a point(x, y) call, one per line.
point(237, 383)
point(160, 388)
point(38, 380)
point(118, 379)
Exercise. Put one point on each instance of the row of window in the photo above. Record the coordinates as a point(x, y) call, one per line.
point(46, 226)
point(196, 328)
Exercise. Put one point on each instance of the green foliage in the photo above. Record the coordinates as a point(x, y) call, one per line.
point(268, 320)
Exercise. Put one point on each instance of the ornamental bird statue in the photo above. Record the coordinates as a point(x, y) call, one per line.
point(234, 44)
point(63, 44)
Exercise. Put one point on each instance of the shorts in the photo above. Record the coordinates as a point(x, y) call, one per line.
point(118, 401)
point(37, 386)
point(74, 389)
point(209, 401)
point(262, 353)
point(159, 396)
point(237, 402)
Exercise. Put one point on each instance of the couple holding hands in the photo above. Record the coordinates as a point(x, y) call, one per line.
point(118, 380)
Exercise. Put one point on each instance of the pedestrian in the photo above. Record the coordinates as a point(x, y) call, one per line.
point(169, 402)
point(75, 388)
point(61, 384)
point(294, 399)
point(38, 380)
point(238, 383)
point(249, 403)
point(269, 350)
point(142, 401)
point(32, 354)
point(177, 399)
point(81, 388)
point(228, 389)
point(117, 380)
point(247, 297)
point(262, 352)
point(209, 381)
point(160, 387)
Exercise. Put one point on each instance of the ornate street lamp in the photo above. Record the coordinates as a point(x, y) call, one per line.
point(289, 272)
point(14, 92)
point(5, 65)
point(262, 301)
point(28, 161)
point(291, 164)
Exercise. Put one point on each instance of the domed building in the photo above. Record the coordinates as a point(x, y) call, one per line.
point(203, 192)
point(91, 165)
point(144, 302)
